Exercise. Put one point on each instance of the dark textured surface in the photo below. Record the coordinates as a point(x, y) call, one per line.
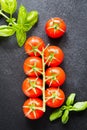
point(74, 45)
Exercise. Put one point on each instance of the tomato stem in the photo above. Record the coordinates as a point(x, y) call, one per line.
point(44, 105)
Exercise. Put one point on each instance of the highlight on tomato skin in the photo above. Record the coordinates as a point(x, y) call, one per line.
point(55, 27)
point(55, 76)
point(55, 97)
point(33, 66)
point(53, 56)
point(33, 108)
point(34, 45)
point(32, 87)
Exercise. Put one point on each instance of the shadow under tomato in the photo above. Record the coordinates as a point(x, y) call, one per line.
point(42, 123)
point(58, 41)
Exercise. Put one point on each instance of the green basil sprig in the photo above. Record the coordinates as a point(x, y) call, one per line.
point(24, 22)
point(64, 111)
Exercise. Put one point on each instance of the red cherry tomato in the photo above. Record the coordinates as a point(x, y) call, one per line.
point(55, 97)
point(55, 27)
point(53, 56)
point(34, 45)
point(55, 76)
point(33, 66)
point(32, 108)
point(32, 87)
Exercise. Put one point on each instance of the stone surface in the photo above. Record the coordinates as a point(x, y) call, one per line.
point(74, 45)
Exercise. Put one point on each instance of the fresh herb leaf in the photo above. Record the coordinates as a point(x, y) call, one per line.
point(22, 14)
point(9, 6)
point(25, 22)
point(65, 117)
point(31, 19)
point(21, 37)
point(32, 16)
point(56, 114)
point(70, 99)
point(6, 31)
point(79, 106)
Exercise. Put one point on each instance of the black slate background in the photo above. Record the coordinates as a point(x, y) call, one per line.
point(74, 45)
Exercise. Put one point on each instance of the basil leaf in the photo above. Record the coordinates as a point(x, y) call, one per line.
point(22, 14)
point(70, 99)
point(56, 114)
point(31, 19)
point(79, 106)
point(31, 16)
point(27, 27)
point(21, 37)
point(65, 117)
point(6, 31)
point(9, 6)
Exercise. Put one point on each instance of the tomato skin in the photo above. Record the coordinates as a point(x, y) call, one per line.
point(58, 97)
point(29, 105)
point(55, 55)
point(55, 27)
point(32, 43)
point(31, 64)
point(57, 76)
point(29, 87)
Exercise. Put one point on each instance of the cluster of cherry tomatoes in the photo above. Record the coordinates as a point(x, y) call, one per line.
point(36, 67)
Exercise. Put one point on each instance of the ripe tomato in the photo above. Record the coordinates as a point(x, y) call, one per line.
point(33, 66)
point(33, 45)
point(53, 56)
point(32, 108)
point(55, 27)
point(55, 76)
point(55, 97)
point(32, 87)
